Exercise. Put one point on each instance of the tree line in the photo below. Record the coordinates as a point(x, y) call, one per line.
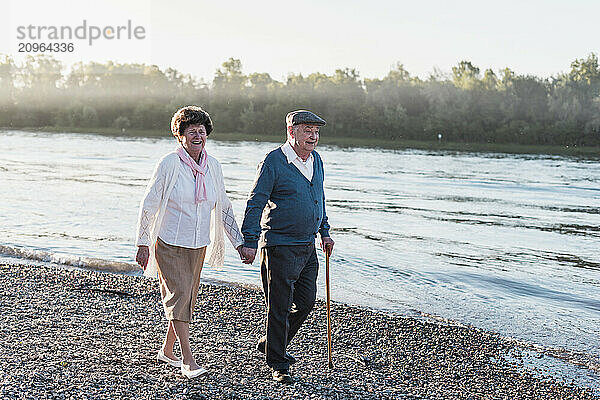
point(464, 106)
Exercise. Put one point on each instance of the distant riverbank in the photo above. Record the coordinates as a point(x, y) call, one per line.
point(349, 141)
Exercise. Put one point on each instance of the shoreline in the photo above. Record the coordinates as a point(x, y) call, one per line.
point(76, 332)
point(347, 142)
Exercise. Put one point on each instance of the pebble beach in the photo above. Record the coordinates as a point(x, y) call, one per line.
point(72, 334)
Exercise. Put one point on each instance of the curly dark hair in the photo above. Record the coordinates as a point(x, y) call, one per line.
point(190, 115)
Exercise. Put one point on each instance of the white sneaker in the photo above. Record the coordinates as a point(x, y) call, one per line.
point(191, 374)
point(161, 357)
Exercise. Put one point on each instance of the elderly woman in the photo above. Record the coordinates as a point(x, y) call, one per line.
point(182, 218)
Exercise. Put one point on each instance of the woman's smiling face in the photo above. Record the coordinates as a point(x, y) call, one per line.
point(194, 138)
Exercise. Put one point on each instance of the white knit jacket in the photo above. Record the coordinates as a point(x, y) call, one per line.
point(154, 204)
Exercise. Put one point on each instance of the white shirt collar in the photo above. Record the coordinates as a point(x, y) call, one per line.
point(291, 155)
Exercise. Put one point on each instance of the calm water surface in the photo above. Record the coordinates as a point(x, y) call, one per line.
point(507, 243)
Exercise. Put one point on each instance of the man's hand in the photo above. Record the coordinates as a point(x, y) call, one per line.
point(142, 256)
point(247, 255)
point(327, 244)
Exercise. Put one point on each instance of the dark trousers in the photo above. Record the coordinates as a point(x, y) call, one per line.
point(289, 277)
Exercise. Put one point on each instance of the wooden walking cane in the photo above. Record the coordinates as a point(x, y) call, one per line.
point(329, 350)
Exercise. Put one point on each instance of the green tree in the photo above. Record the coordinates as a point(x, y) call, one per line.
point(466, 76)
point(229, 97)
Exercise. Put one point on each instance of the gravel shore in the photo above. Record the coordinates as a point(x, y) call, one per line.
point(82, 334)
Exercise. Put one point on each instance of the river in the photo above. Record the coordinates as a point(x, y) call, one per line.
point(507, 243)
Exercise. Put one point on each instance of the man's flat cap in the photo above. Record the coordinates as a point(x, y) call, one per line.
point(303, 117)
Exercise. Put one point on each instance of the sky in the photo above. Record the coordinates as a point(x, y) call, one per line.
point(283, 37)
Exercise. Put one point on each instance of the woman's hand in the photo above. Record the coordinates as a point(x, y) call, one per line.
point(142, 256)
point(239, 250)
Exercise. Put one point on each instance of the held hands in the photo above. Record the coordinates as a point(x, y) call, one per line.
point(142, 256)
point(327, 244)
point(246, 254)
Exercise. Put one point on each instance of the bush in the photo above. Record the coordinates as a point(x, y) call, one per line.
point(122, 122)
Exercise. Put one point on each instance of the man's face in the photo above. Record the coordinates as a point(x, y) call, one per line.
point(305, 137)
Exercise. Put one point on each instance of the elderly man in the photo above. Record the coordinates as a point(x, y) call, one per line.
point(288, 195)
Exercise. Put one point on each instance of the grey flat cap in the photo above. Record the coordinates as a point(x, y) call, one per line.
point(303, 117)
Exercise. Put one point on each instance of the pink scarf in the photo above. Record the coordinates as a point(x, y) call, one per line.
point(198, 170)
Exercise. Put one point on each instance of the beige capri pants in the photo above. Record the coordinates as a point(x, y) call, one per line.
point(179, 271)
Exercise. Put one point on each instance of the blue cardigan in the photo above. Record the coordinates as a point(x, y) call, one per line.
point(292, 207)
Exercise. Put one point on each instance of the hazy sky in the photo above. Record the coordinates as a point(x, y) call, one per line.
point(280, 37)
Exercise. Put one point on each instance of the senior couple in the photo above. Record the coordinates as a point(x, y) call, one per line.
point(185, 211)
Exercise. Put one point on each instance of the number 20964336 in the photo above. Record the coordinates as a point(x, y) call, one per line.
point(26, 47)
